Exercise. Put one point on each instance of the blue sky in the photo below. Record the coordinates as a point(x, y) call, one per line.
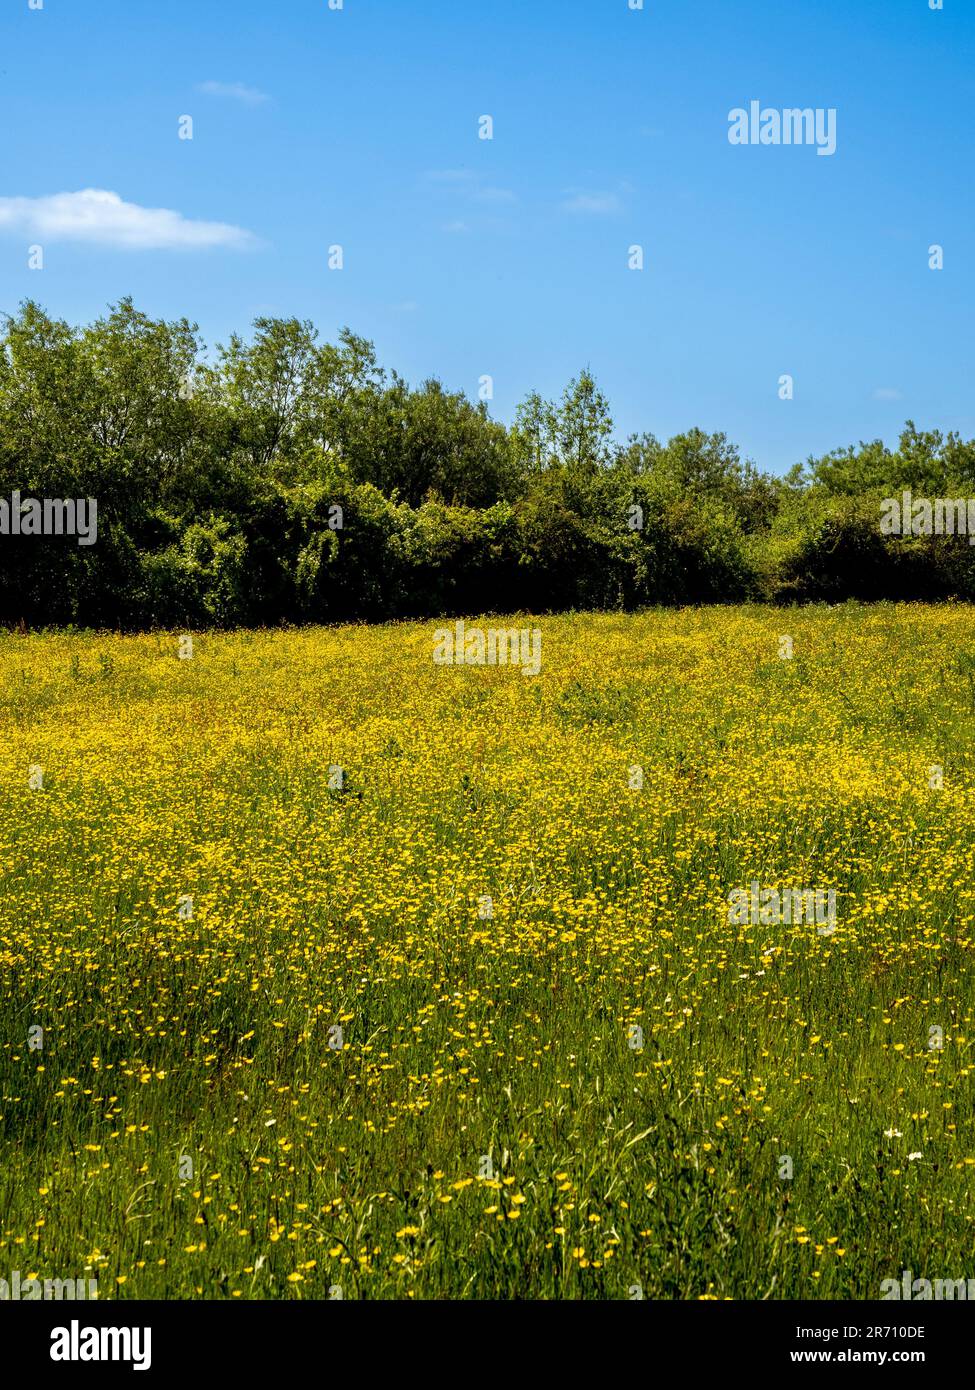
point(466, 257)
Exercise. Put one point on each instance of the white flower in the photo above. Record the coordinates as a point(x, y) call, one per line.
point(892, 1134)
point(912, 1157)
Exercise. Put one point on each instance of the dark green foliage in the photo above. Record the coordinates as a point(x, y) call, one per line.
point(284, 480)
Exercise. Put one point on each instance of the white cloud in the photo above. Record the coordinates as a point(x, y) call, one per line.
point(886, 393)
point(599, 203)
point(471, 186)
point(494, 195)
point(104, 219)
point(237, 91)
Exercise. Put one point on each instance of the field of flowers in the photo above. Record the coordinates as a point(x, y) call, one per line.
point(468, 1018)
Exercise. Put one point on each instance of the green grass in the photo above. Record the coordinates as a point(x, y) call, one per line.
point(496, 1044)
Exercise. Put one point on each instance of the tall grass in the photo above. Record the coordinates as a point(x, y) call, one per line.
point(289, 1049)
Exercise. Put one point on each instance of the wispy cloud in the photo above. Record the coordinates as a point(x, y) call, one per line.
point(886, 393)
point(101, 218)
point(472, 187)
point(598, 204)
point(236, 91)
point(494, 195)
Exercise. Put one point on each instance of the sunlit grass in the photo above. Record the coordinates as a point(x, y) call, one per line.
point(482, 1125)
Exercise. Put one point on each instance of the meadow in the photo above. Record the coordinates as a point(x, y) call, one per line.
point(328, 971)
